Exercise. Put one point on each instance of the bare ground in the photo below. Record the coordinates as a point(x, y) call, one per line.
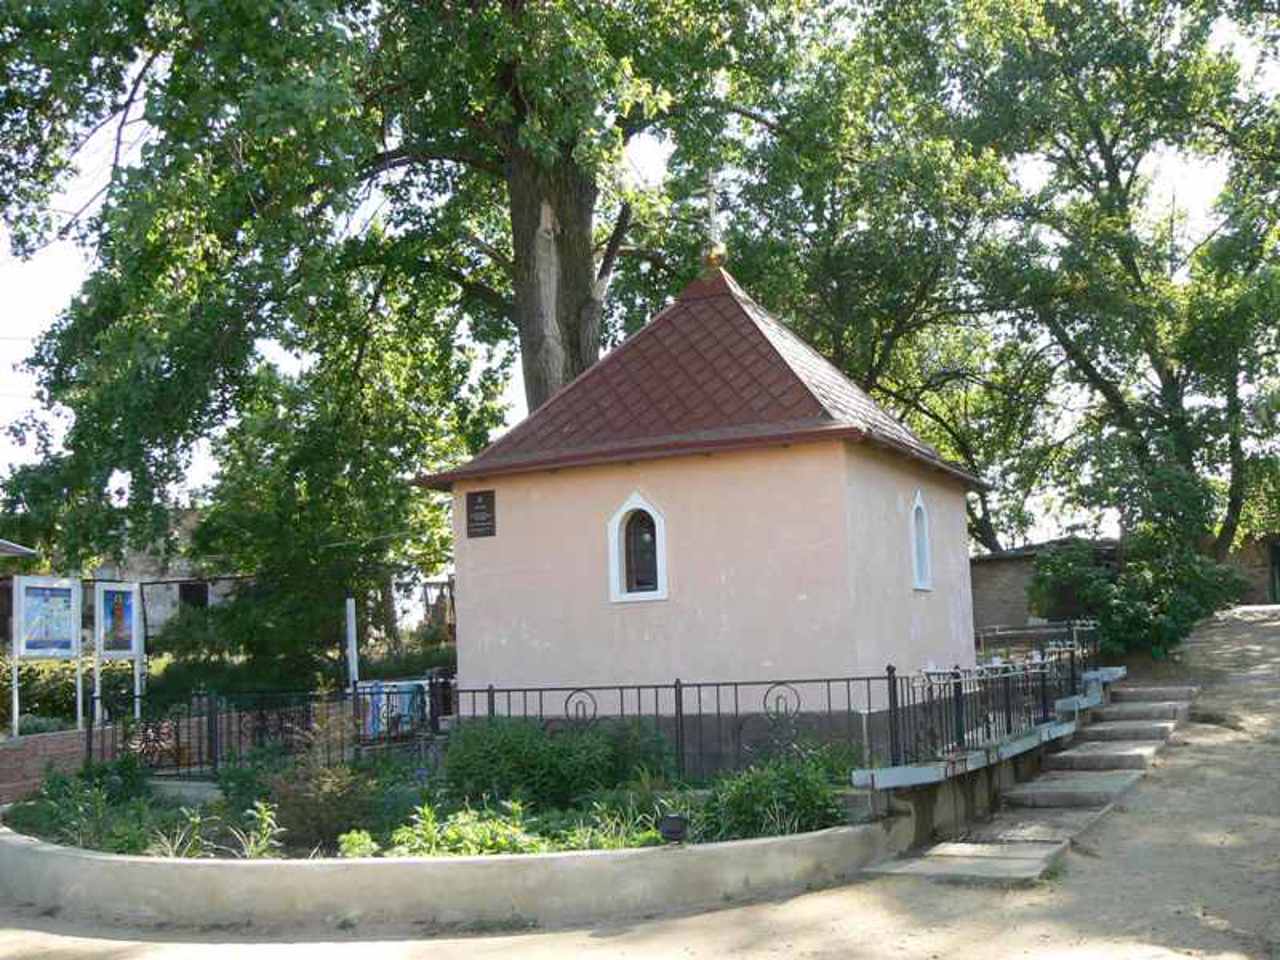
point(1189, 865)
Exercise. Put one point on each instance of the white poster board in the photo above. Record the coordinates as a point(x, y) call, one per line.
point(117, 616)
point(117, 635)
point(46, 618)
point(46, 626)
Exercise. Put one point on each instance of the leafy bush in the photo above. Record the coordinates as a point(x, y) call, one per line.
point(244, 780)
point(315, 804)
point(106, 807)
point(190, 839)
point(785, 795)
point(260, 838)
point(521, 759)
point(509, 759)
point(48, 688)
point(357, 843)
point(30, 723)
point(399, 787)
point(123, 779)
point(467, 832)
point(1152, 602)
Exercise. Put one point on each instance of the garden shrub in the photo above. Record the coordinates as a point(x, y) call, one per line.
point(784, 795)
point(244, 780)
point(30, 723)
point(467, 832)
point(639, 749)
point(517, 758)
point(510, 759)
point(125, 778)
point(1151, 603)
point(260, 838)
point(48, 688)
point(357, 843)
point(105, 807)
point(315, 804)
point(399, 787)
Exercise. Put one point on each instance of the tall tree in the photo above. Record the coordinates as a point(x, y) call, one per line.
point(855, 199)
point(486, 138)
point(1168, 328)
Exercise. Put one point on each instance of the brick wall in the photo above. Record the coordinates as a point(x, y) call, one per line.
point(1000, 591)
point(23, 761)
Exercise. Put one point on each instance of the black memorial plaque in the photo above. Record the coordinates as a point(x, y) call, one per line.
point(482, 517)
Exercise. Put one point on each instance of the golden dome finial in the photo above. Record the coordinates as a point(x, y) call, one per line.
point(714, 256)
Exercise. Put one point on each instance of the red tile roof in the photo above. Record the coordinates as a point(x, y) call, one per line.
point(711, 371)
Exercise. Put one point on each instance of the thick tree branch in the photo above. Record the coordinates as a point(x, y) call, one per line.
point(614, 244)
point(422, 153)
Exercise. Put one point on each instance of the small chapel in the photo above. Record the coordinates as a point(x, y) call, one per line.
point(712, 500)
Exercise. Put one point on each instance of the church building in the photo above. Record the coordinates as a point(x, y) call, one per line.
point(713, 501)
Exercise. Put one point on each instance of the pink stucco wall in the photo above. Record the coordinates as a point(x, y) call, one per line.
point(895, 622)
point(782, 562)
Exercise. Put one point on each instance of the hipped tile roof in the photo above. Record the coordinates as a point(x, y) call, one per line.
point(712, 371)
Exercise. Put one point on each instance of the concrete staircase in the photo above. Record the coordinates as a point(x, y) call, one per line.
point(1029, 837)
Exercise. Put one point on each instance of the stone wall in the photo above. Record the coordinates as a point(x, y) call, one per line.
point(1000, 590)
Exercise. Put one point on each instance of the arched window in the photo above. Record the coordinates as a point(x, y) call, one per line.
point(920, 560)
point(642, 552)
point(637, 552)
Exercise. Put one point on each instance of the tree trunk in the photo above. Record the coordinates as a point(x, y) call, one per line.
point(1236, 484)
point(390, 621)
point(980, 526)
point(556, 294)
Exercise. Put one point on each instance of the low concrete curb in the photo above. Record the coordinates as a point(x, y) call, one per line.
point(443, 893)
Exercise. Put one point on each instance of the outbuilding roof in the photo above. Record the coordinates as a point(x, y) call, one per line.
point(10, 549)
point(712, 371)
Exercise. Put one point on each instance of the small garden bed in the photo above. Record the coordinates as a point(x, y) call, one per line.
point(505, 786)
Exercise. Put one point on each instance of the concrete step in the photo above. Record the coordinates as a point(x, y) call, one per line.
point(1127, 730)
point(1105, 755)
point(1142, 710)
point(1134, 694)
point(1071, 789)
point(989, 864)
point(1037, 825)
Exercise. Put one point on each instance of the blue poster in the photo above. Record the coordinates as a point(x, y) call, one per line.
point(117, 621)
point(48, 621)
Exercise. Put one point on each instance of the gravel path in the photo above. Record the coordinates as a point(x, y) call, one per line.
point(1189, 866)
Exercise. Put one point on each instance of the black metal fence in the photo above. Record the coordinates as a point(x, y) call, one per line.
point(199, 735)
point(887, 719)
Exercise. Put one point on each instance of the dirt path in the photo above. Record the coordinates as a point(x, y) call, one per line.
point(1189, 867)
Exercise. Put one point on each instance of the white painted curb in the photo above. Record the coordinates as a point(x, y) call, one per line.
point(443, 893)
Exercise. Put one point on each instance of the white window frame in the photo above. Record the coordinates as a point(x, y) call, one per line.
point(618, 592)
point(921, 579)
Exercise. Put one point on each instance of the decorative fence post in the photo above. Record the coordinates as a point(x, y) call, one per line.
point(211, 728)
point(678, 688)
point(1044, 691)
point(493, 704)
point(895, 734)
point(957, 697)
point(1007, 683)
point(1075, 681)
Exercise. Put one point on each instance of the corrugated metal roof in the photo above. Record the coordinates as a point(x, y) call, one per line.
point(713, 370)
